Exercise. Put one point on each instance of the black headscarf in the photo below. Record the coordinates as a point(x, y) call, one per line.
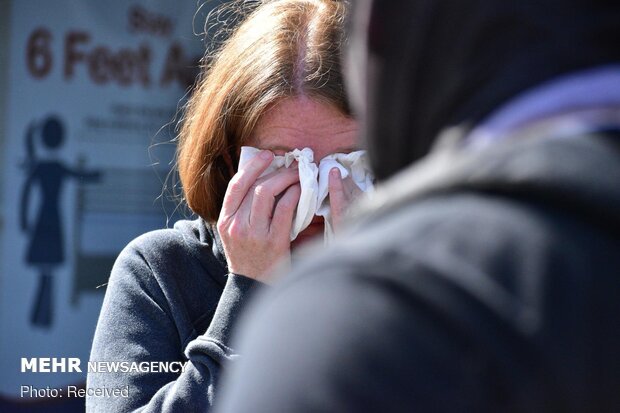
point(419, 66)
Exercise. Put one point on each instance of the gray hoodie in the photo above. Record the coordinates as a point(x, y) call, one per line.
point(169, 299)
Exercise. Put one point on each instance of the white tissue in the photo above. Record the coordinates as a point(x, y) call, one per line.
point(354, 164)
point(314, 180)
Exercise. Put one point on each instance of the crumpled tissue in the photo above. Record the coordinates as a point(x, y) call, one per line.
point(314, 181)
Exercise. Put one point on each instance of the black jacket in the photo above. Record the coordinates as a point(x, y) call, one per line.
point(479, 281)
point(483, 281)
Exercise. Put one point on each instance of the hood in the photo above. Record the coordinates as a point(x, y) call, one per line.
point(419, 67)
point(577, 174)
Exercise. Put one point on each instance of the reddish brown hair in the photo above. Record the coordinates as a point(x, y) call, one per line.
point(284, 48)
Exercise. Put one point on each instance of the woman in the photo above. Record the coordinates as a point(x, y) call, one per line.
point(174, 295)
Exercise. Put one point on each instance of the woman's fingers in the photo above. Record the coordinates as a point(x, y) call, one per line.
point(283, 214)
point(342, 193)
point(253, 247)
point(337, 198)
point(242, 181)
point(265, 194)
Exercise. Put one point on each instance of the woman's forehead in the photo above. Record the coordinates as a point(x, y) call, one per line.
point(303, 122)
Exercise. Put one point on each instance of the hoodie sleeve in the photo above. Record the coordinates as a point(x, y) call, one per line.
point(137, 325)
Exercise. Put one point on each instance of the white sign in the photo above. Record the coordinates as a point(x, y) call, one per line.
point(91, 85)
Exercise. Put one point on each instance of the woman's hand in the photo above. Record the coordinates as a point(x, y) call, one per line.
point(256, 217)
point(342, 193)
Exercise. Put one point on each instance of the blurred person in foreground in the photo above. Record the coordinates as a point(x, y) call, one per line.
point(174, 295)
point(485, 274)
